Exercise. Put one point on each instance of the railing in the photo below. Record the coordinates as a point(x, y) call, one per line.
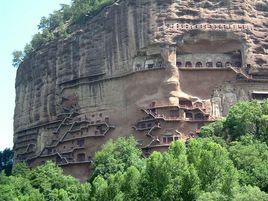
point(241, 72)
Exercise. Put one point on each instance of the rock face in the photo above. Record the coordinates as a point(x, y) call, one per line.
point(156, 69)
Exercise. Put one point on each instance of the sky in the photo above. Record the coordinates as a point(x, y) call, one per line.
point(18, 23)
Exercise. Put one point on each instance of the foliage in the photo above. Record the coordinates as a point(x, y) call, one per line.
point(214, 129)
point(17, 58)
point(199, 170)
point(182, 173)
point(18, 188)
point(21, 169)
point(243, 118)
point(214, 167)
point(57, 25)
point(43, 183)
point(117, 156)
point(6, 161)
point(246, 133)
point(248, 117)
point(250, 157)
point(249, 193)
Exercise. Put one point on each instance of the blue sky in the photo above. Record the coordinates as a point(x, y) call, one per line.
point(18, 22)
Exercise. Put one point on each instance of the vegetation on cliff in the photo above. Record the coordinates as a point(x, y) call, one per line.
point(6, 161)
point(229, 162)
point(58, 24)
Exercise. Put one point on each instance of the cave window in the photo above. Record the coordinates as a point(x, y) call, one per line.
point(142, 125)
point(228, 64)
point(260, 95)
point(189, 115)
point(81, 142)
point(81, 157)
point(149, 125)
point(188, 64)
point(150, 65)
point(199, 116)
point(185, 103)
point(176, 138)
point(237, 64)
point(178, 64)
point(198, 64)
point(198, 104)
point(167, 139)
point(174, 113)
point(49, 151)
point(219, 64)
point(107, 119)
point(101, 129)
point(209, 64)
point(138, 66)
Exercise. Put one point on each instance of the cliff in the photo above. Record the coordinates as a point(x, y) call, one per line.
point(152, 68)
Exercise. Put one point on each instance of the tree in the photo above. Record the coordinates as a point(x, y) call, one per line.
point(249, 193)
point(130, 184)
point(21, 169)
point(51, 182)
point(6, 161)
point(212, 196)
point(155, 177)
point(18, 188)
point(213, 129)
point(117, 156)
point(213, 165)
point(250, 157)
point(244, 118)
point(17, 58)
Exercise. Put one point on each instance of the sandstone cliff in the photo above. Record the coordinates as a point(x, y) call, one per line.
point(133, 63)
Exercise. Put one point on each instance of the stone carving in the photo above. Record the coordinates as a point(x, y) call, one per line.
point(222, 99)
point(175, 26)
point(242, 95)
point(216, 104)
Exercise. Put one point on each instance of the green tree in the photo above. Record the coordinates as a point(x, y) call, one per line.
point(155, 177)
point(213, 129)
point(18, 188)
point(213, 165)
point(250, 157)
point(212, 196)
point(99, 189)
point(130, 184)
point(21, 169)
point(244, 118)
point(117, 156)
point(249, 193)
point(17, 58)
point(6, 161)
point(51, 182)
